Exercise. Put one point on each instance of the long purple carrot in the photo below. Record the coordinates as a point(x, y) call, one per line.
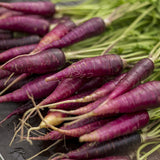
point(139, 72)
point(16, 51)
point(46, 61)
point(40, 8)
point(78, 131)
point(54, 135)
point(55, 34)
point(123, 125)
point(103, 91)
point(25, 24)
point(107, 148)
point(37, 88)
point(110, 65)
point(66, 88)
point(10, 43)
point(131, 101)
point(90, 28)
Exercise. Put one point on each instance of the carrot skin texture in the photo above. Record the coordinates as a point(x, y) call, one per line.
point(39, 8)
point(90, 28)
point(132, 101)
point(4, 73)
point(139, 72)
point(46, 61)
point(123, 125)
point(108, 148)
point(66, 88)
point(25, 24)
point(91, 67)
point(56, 33)
point(10, 43)
point(16, 51)
point(38, 88)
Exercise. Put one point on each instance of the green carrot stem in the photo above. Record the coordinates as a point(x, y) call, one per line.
point(131, 27)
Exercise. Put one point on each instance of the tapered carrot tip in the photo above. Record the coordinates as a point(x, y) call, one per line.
point(5, 98)
point(51, 78)
point(85, 138)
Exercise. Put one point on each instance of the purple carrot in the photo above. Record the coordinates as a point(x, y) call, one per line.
point(55, 135)
point(99, 93)
point(139, 72)
point(4, 73)
point(131, 101)
point(16, 51)
point(10, 43)
point(90, 28)
point(76, 132)
point(123, 125)
point(37, 88)
point(66, 88)
point(108, 148)
point(25, 24)
point(5, 35)
point(55, 34)
point(19, 110)
point(40, 8)
point(46, 61)
point(110, 65)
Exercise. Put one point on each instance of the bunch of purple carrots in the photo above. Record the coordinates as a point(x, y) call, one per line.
point(105, 99)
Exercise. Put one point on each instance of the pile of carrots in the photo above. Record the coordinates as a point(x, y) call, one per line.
point(80, 67)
